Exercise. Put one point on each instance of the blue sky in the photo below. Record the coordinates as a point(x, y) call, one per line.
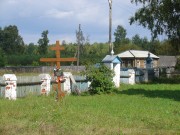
point(62, 17)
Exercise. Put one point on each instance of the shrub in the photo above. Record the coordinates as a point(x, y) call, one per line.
point(175, 79)
point(101, 79)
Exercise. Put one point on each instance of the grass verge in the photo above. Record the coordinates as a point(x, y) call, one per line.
point(134, 109)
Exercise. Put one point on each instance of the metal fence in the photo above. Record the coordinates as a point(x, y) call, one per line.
point(31, 85)
point(141, 75)
point(26, 85)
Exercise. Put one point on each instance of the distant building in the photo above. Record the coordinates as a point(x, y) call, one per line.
point(139, 59)
point(167, 64)
point(167, 61)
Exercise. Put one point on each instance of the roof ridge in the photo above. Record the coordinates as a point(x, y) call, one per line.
point(131, 53)
point(140, 50)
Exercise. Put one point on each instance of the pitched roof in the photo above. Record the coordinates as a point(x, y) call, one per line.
point(126, 54)
point(111, 58)
point(167, 61)
point(136, 54)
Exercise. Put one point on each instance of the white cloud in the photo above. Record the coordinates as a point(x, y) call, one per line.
point(88, 15)
point(61, 18)
point(55, 13)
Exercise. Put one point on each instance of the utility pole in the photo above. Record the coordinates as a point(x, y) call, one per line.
point(78, 34)
point(80, 41)
point(110, 27)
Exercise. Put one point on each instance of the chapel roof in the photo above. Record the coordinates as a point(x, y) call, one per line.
point(111, 58)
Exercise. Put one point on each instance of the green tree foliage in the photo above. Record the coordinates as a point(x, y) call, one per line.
point(16, 53)
point(128, 47)
point(142, 43)
point(101, 79)
point(1, 37)
point(120, 37)
point(145, 43)
point(160, 17)
point(22, 60)
point(70, 50)
point(137, 40)
point(31, 49)
point(10, 40)
point(154, 46)
point(94, 53)
point(164, 48)
point(43, 43)
point(3, 59)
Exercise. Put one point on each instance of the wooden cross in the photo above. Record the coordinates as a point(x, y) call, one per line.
point(58, 60)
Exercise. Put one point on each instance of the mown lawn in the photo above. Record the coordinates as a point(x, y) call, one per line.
point(134, 109)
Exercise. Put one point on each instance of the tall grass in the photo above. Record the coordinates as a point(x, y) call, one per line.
point(137, 109)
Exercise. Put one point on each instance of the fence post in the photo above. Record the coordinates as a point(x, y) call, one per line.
point(45, 85)
point(11, 86)
point(132, 76)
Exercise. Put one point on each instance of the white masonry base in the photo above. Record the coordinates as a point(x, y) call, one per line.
point(11, 85)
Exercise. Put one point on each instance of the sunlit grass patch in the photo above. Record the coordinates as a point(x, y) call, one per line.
point(134, 109)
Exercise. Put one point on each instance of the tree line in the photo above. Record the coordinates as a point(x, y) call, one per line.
point(14, 52)
point(159, 16)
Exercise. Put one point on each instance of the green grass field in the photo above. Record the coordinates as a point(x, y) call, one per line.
point(134, 109)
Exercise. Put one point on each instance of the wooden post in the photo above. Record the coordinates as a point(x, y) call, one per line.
point(58, 61)
point(110, 26)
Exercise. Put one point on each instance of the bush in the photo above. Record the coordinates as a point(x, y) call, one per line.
point(164, 80)
point(101, 79)
point(23, 60)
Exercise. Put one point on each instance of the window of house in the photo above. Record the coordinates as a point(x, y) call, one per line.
point(129, 63)
point(138, 64)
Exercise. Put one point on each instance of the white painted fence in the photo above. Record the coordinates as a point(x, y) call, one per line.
point(26, 85)
point(32, 85)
